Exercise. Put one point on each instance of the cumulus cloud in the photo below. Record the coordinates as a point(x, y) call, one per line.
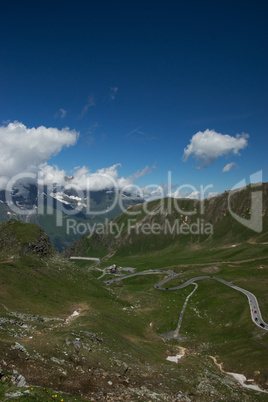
point(49, 175)
point(228, 167)
point(83, 179)
point(209, 145)
point(25, 149)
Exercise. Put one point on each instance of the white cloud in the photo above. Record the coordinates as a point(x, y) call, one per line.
point(105, 178)
point(48, 175)
point(83, 179)
point(228, 167)
point(27, 150)
point(24, 149)
point(3, 182)
point(143, 172)
point(153, 192)
point(209, 145)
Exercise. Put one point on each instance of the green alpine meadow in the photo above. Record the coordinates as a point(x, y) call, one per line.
point(74, 327)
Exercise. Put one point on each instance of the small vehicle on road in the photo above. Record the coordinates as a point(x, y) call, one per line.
point(262, 325)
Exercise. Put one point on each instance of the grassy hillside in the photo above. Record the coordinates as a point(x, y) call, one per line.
point(112, 347)
point(151, 230)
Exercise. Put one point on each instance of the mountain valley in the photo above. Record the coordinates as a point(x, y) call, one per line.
point(64, 331)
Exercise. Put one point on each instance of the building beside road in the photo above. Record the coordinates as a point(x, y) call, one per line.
point(112, 269)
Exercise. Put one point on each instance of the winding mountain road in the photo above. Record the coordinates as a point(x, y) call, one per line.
point(253, 303)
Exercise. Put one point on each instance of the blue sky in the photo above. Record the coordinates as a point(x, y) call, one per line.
point(138, 80)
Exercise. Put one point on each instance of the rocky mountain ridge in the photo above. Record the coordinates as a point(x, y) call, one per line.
point(180, 223)
point(18, 239)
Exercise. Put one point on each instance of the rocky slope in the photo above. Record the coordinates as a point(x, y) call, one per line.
point(20, 239)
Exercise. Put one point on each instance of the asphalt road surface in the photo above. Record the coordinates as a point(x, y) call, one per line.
point(253, 303)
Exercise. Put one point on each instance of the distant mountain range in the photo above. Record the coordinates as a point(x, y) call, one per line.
point(51, 209)
point(145, 226)
point(173, 225)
